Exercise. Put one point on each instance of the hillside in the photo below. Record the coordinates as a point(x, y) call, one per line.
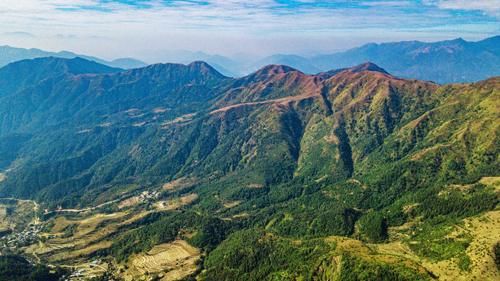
point(277, 175)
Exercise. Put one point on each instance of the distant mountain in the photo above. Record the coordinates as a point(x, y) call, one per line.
point(126, 63)
point(443, 62)
point(294, 61)
point(351, 174)
point(224, 65)
point(448, 61)
point(11, 54)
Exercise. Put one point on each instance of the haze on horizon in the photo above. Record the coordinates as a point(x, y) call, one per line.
point(153, 30)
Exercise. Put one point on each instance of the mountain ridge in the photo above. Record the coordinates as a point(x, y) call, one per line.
point(282, 172)
point(278, 85)
point(447, 61)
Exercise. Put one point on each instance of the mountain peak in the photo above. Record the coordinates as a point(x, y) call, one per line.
point(458, 40)
point(196, 66)
point(200, 64)
point(31, 71)
point(367, 66)
point(270, 72)
point(274, 69)
point(198, 71)
point(204, 68)
point(128, 63)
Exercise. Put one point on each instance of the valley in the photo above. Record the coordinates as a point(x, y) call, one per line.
point(176, 172)
point(71, 239)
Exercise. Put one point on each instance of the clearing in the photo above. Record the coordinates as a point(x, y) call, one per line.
point(170, 261)
point(180, 183)
point(176, 203)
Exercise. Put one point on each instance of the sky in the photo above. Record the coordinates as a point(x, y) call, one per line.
point(154, 29)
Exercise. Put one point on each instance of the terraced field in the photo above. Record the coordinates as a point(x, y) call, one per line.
point(171, 261)
point(73, 237)
point(89, 235)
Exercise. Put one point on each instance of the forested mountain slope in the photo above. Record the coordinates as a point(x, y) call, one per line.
point(275, 165)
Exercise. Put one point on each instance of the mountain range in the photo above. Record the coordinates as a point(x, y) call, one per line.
point(449, 61)
point(10, 54)
point(277, 175)
point(443, 62)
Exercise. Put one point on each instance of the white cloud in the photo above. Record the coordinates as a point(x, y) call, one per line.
point(393, 3)
point(491, 7)
point(112, 29)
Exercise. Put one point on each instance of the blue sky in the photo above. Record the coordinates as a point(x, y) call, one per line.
point(153, 29)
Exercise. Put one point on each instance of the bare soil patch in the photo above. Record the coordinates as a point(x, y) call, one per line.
point(176, 203)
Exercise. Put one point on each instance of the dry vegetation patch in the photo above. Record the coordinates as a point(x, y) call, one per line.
point(181, 119)
point(159, 110)
point(4, 224)
point(231, 204)
point(491, 181)
point(176, 203)
point(132, 201)
point(255, 186)
point(170, 261)
point(179, 184)
point(60, 223)
point(390, 253)
point(83, 252)
point(90, 224)
point(484, 231)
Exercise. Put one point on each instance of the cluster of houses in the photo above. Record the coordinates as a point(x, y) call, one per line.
point(15, 240)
